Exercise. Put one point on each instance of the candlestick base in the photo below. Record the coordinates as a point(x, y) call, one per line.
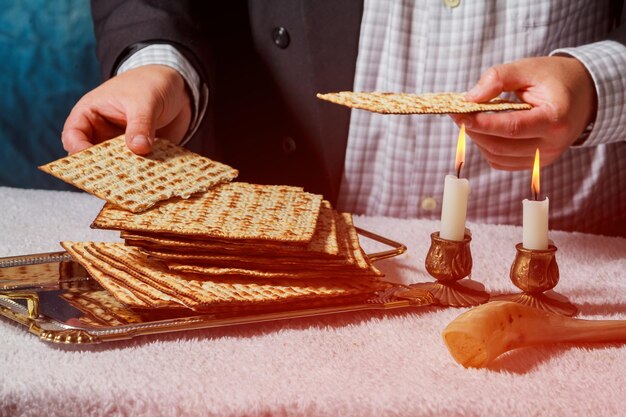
point(463, 293)
point(536, 273)
point(449, 262)
point(548, 301)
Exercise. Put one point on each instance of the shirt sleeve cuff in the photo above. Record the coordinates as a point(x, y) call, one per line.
point(606, 62)
point(168, 55)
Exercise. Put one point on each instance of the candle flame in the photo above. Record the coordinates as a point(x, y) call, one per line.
point(535, 180)
point(460, 151)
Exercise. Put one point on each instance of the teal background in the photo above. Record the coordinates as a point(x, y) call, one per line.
point(47, 62)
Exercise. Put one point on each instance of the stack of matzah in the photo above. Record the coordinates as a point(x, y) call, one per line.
point(230, 245)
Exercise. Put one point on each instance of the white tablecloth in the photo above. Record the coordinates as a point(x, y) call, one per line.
point(358, 364)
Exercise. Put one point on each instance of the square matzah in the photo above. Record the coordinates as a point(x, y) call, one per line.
point(132, 267)
point(112, 172)
point(428, 103)
point(233, 211)
point(322, 244)
point(125, 287)
point(351, 261)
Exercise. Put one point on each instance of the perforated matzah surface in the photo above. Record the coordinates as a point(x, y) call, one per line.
point(112, 172)
point(234, 211)
point(322, 244)
point(114, 281)
point(406, 103)
point(218, 291)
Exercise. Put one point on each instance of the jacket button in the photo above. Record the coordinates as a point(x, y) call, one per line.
point(289, 145)
point(452, 3)
point(280, 36)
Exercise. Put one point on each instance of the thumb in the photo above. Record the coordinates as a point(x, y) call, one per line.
point(140, 130)
point(496, 80)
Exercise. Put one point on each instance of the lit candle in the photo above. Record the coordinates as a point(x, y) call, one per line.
point(455, 193)
point(535, 217)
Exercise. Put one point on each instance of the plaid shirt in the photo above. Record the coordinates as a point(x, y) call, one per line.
point(395, 165)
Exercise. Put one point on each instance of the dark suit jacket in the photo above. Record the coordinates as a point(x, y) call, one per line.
point(263, 116)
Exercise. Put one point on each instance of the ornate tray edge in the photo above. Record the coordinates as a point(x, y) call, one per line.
point(394, 297)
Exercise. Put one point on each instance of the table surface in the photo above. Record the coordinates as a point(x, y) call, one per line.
point(361, 364)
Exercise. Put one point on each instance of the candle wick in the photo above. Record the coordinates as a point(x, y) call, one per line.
point(458, 171)
point(535, 193)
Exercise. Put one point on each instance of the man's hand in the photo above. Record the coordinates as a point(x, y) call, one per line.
point(564, 102)
point(144, 103)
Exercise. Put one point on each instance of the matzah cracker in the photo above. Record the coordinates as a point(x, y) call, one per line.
point(175, 245)
point(271, 263)
point(232, 211)
point(323, 243)
point(156, 293)
point(111, 280)
point(231, 291)
point(133, 182)
point(211, 271)
point(346, 229)
point(351, 260)
point(428, 103)
point(356, 263)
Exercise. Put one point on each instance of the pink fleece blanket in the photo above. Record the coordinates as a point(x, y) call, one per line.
point(360, 364)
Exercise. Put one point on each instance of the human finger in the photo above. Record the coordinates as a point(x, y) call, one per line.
point(500, 146)
point(506, 163)
point(175, 130)
point(77, 131)
point(74, 140)
point(84, 127)
point(140, 127)
point(518, 162)
point(520, 124)
point(495, 80)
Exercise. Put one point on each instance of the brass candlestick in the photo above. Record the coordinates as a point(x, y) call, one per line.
point(449, 262)
point(536, 273)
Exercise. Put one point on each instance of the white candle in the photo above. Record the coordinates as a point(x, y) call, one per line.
point(535, 215)
point(454, 208)
point(535, 224)
point(455, 193)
